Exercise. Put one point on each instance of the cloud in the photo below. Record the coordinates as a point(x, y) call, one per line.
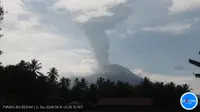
point(179, 6)
point(190, 80)
point(197, 20)
point(26, 37)
point(175, 28)
point(129, 31)
point(122, 33)
point(179, 67)
point(43, 30)
point(14, 7)
point(83, 11)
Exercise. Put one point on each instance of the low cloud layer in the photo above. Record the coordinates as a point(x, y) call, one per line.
point(84, 11)
point(169, 28)
point(189, 79)
point(180, 6)
point(179, 67)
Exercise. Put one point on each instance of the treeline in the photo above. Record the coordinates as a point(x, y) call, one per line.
point(23, 83)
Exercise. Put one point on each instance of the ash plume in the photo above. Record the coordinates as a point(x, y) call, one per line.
point(95, 30)
point(100, 44)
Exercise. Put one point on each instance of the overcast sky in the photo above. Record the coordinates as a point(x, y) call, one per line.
point(155, 40)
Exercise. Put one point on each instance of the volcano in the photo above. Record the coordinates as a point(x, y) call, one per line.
point(115, 73)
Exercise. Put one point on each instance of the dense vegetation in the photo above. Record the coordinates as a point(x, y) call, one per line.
point(23, 83)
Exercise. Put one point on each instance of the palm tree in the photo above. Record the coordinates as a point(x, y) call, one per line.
point(22, 65)
point(1, 13)
point(186, 87)
point(34, 66)
point(84, 84)
point(53, 75)
point(76, 82)
point(100, 82)
point(65, 83)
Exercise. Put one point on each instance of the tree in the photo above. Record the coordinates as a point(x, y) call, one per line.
point(1, 12)
point(196, 63)
point(76, 82)
point(186, 88)
point(65, 83)
point(34, 66)
point(1, 18)
point(22, 65)
point(53, 75)
point(77, 90)
point(42, 78)
point(64, 86)
point(146, 87)
point(100, 82)
point(92, 93)
point(124, 89)
point(83, 84)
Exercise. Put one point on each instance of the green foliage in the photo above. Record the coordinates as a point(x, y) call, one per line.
point(1, 12)
point(53, 75)
point(1, 18)
point(20, 86)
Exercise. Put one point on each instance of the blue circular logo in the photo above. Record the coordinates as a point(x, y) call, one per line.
point(189, 101)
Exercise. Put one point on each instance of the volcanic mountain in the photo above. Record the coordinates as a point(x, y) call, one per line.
point(115, 73)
